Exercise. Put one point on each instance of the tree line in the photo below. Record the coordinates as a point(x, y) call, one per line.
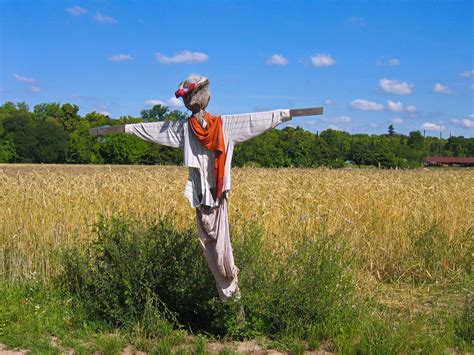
point(55, 133)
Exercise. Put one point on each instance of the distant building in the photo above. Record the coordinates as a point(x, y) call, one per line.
point(449, 161)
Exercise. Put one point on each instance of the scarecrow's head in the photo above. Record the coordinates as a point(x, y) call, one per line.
point(195, 92)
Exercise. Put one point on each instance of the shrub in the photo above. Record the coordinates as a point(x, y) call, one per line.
point(305, 294)
point(136, 272)
point(132, 266)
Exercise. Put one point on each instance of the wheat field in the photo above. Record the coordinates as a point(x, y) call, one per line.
point(379, 212)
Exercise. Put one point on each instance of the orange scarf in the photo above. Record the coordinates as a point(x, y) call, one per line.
point(212, 139)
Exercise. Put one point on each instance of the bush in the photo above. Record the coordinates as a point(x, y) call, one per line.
point(133, 266)
point(304, 294)
point(134, 270)
point(148, 275)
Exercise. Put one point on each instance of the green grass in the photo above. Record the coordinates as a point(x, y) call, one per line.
point(146, 285)
point(42, 319)
point(32, 313)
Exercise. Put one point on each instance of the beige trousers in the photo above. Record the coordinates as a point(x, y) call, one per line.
point(213, 232)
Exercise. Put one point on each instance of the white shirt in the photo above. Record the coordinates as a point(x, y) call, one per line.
point(236, 129)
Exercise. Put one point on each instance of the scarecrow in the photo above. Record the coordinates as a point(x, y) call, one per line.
point(208, 144)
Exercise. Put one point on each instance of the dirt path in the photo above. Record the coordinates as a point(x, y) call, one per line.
point(243, 347)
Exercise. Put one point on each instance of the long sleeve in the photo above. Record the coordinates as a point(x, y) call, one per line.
point(242, 127)
point(169, 133)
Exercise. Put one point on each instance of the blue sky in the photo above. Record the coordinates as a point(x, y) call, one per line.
point(370, 64)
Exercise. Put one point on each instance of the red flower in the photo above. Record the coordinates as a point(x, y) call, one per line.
point(191, 86)
point(179, 93)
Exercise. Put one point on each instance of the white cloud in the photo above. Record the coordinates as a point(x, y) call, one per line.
point(465, 123)
point(395, 106)
point(336, 128)
point(76, 10)
point(171, 102)
point(396, 120)
point(441, 89)
point(120, 57)
point(394, 62)
point(175, 102)
point(329, 102)
point(23, 78)
point(364, 105)
point(104, 18)
point(395, 86)
point(411, 108)
point(468, 73)
point(153, 102)
point(338, 119)
point(182, 57)
point(277, 59)
point(356, 21)
point(105, 113)
point(323, 60)
point(35, 89)
point(429, 126)
point(471, 115)
point(391, 62)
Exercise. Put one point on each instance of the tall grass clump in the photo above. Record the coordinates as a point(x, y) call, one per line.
point(134, 269)
point(306, 293)
point(438, 258)
point(428, 255)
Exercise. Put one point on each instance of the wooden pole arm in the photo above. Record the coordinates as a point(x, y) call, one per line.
point(101, 131)
point(306, 111)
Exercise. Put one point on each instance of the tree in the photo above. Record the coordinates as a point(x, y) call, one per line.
point(47, 110)
point(156, 113)
point(297, 144)
point(7, 110)
point(95, 119)
point(391, 130)
point(176, 115)
point(52, 141)
point(81, 147)
point(415, 140)
point(360, 152)
point(19, 129)
point(455, 146)
point(57, 133)
point(69, 117)
point(336, 149)
point(159, 154)
point(383, 154)
point(123, 149)
point(437, 147)
point(7, 151)
point(264, 150)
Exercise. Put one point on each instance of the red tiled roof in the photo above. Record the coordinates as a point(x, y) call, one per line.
point(450, 160)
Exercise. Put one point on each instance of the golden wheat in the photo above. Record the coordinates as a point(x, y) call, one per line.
point(43, 207)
